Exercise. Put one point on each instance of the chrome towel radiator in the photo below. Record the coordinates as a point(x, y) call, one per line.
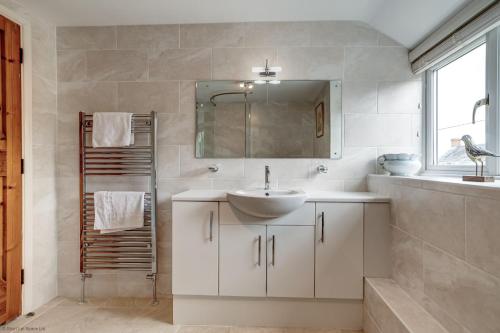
point(131, 250)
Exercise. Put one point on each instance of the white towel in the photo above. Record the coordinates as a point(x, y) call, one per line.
point(112, 129)
point(118, 211)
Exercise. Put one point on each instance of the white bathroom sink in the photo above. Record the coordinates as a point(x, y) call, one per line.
point(267, 203)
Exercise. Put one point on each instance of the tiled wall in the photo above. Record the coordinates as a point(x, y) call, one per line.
point(42, 275)
point(445, 250)
point(143, 68)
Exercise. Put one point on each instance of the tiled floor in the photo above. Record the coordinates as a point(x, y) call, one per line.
point(64, 315)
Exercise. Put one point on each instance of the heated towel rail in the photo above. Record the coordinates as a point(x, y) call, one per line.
point(132, 250)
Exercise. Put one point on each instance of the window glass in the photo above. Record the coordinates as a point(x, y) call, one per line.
point(458, 85)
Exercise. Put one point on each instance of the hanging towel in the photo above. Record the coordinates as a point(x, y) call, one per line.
point(118, 211)
point(112, 129)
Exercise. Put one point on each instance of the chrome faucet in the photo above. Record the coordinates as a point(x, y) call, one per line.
point(268, 172)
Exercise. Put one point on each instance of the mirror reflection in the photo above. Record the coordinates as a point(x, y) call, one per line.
point(290, 119)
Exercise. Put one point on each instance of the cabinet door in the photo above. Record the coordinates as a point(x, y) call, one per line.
point(242, 260)
point(290, 261)
point(339, 250)
point(195, 237)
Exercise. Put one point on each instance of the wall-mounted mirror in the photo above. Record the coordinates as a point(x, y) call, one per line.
point(291, 119)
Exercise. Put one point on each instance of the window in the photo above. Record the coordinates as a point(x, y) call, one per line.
point(453, 87)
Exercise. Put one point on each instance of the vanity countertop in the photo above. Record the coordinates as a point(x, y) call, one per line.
point(312, 196)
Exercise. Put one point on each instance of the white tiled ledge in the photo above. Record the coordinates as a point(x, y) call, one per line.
point(442, 184)
point(312, 196)
point(389, 309)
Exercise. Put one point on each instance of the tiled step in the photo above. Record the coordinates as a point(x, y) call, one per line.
point(388, 309)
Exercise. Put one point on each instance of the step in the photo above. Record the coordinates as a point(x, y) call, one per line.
point(389, 309)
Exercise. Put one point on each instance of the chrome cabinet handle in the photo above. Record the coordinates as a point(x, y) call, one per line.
point(274, 250)
point(211, 224)
point(322, 227)
point(260, 251)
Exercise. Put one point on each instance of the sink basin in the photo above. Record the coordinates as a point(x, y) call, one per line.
point(267, 203)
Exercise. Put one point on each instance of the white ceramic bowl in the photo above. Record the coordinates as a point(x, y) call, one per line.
point(402, 167)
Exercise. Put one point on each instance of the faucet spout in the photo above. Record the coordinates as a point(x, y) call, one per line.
point(267, 173)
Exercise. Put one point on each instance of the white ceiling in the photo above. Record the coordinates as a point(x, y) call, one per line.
point(406, 21)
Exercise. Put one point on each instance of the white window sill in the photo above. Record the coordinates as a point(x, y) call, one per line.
point(448, 183)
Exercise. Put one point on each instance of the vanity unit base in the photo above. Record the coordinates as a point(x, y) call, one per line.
point(268, 312)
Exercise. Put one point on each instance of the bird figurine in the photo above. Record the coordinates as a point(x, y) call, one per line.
point(476, 153)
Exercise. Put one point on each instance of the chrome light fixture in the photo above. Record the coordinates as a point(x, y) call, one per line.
point(266, 73)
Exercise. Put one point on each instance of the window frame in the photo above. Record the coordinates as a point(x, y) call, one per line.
point(492, 166)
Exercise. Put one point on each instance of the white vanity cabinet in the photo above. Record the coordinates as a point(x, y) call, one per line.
point(339, 250)
point(230, 268)
point(195, 251)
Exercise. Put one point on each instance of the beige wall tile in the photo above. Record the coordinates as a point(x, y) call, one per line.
point(359, 97)
point(87, 96)
point(71, 65)
point(86, 38)
point(67, 253)
point(192, 167)
point(44, 95)
point(44, 128)
point(483, 230)
point(355, 163)
point(311, 63)
point(469, 295)
point(181, 64)
point(362, 130)
point(187, 96)
point(275, 34)
point(67, 128)
point(342, 33)
point(176, 129)
point(237, 63)
point(67, 161)
point(400, 97)
point(166, 188)
point(154, 38)
point(116, 65)
point(436, 217)
point(212, 35)
point(376, 63)
point(168, 162)
point(144, 97)
point(45, 157)
point(407, 262)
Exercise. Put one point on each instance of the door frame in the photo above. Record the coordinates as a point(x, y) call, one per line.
point(27, 188)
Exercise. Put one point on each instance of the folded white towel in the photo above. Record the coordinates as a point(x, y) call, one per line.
point(118, 211)
point(112, 129)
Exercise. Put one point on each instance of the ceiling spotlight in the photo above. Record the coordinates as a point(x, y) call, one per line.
point(246, 85)
point(259, 82)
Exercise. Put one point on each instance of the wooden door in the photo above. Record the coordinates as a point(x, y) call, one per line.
point(339, 250)
point(242, 260)
point(195, 252)
point(10, 170)
point(290, 261)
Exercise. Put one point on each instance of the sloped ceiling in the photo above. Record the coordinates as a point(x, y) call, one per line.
point(406, 21)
